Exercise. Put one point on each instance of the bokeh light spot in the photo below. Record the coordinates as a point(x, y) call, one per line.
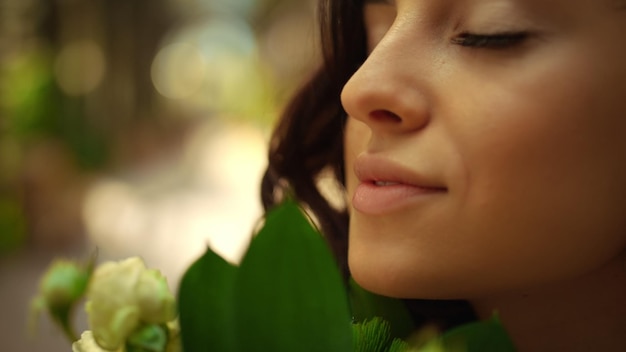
point(80, 67)
point(178, 70)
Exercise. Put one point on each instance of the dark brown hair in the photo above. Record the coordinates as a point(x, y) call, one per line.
point(308, 140)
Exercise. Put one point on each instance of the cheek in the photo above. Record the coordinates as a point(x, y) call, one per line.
point(544, 171)
point(536, 165)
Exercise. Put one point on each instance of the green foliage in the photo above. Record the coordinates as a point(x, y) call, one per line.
point(398, 345)
point(374, 335)
point(482, 336)
point(366, 305)
point(38, 109)
point(288, 294)
point(371, 336)
point(30, 93)
point(12, 225)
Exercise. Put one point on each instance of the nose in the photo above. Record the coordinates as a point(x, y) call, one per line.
point(388, 92)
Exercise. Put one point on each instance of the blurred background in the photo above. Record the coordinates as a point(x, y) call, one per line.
point(138, 128)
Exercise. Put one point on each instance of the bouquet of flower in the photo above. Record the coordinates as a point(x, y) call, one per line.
point(286, 295)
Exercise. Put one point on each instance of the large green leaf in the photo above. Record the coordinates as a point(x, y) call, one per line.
point(286, 296)
point(289, 292)
point(205, 305)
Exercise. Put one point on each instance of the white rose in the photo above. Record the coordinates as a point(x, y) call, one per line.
point(88, 344)
point(122, 295)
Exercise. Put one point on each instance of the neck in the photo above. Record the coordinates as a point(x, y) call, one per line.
point(587, 313)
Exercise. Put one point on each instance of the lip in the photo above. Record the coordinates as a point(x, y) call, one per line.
point(386, 186)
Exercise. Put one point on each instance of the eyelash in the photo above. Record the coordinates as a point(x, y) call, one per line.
point(490, 41)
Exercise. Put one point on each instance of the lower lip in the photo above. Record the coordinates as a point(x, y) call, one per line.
point(377, 200)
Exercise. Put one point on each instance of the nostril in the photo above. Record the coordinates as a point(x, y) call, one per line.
point(385, 116)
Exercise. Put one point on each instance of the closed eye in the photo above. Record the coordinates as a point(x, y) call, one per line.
point(490, 41)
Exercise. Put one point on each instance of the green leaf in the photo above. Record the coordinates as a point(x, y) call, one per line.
point(371, 335)
point(12, 224)
point(481, 336)
point(206, 306)
point(367, 305)
point(289, 292)
point(398, 345)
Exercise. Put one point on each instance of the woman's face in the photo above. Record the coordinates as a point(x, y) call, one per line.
point(486, 145)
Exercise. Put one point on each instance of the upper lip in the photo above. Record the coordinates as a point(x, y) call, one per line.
point(370, 168)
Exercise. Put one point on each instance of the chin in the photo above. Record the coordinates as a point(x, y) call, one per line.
point(395, 280)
